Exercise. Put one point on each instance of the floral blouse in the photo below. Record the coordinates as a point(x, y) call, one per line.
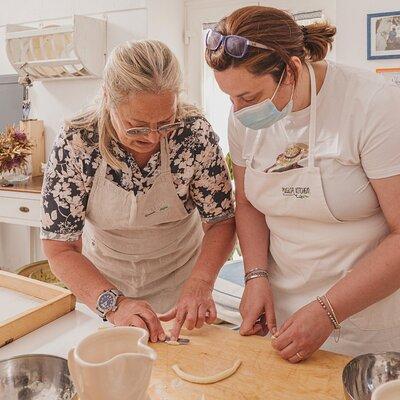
point(197, 164)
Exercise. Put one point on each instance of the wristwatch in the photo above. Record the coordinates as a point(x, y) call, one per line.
point(107, 302)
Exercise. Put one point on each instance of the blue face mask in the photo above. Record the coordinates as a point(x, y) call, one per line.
point(263, 115)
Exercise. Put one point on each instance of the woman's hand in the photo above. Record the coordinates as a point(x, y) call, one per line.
point(195, 307)
point(131, 312)
point(257, 301)
point(303, 333)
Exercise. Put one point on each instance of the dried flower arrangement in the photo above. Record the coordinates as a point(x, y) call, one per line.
point(15, 148)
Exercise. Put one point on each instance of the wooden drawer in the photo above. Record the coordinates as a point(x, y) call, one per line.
point(19, 209)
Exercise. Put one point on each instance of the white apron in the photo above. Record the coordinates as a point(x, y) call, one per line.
point(311, 249)
point(146, 246)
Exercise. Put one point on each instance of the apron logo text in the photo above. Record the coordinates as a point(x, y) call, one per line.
point(162, 208)
point(298, 192)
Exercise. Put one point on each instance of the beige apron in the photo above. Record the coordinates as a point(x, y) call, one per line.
point(146, 246)
point(311, 250)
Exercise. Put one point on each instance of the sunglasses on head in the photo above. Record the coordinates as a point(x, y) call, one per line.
point(235, 46)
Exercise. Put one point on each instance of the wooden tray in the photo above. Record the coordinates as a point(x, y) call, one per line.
point(54, 303)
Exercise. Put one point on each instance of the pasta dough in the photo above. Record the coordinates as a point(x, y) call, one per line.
point(178, 342)
point(207, 379)
point(172, 342)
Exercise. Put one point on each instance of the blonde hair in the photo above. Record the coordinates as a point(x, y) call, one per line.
point(132, 67)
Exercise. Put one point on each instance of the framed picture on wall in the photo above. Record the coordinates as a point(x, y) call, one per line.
point(392, 75)
point(383, 35)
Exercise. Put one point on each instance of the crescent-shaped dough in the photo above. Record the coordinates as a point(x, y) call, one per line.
point(207, 379)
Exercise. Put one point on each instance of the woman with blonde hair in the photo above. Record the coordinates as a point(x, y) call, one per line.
point(316, 153)
point(137, 210)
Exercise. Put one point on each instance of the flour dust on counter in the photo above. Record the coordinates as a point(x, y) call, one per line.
point(19, 303)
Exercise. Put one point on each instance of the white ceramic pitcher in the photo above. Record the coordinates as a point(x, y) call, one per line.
point(387, 391)
point(113, 363)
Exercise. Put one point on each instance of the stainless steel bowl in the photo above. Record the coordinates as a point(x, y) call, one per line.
point(365, 373)
point(35, 377)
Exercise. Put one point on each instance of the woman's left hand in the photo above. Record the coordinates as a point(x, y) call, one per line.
point(195, 307)
point(303, 333)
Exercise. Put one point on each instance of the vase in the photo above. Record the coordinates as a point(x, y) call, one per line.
point(17, 175)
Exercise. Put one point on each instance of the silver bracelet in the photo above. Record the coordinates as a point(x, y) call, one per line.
point(255, 270)
point(256, 273)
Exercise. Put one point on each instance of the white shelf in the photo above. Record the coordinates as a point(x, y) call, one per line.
point(58, 52)
point(40, 32)
point(60, 61)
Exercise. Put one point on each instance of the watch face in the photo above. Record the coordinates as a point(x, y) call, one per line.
point(107, 301)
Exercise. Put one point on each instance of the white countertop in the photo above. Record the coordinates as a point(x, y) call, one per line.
point(58, 337)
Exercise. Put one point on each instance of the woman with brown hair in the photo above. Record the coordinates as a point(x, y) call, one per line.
point(316, 152)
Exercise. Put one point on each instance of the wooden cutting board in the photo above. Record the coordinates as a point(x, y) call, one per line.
point(263, 374)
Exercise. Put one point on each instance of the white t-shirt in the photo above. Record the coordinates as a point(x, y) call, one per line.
point(358, 138)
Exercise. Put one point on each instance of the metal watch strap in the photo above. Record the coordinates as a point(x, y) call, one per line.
point(117, 292)
point(103, 313)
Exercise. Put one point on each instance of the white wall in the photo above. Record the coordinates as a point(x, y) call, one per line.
point(166, 23)
point(53, 101)
point(351, 39)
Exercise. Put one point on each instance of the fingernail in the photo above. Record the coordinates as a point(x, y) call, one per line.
point(162, 337)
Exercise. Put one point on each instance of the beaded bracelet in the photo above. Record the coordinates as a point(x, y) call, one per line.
point(331, 316)
point(331, 309)
point(255, 273)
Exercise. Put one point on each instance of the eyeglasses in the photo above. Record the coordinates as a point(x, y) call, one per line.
point(235, 46)
point(145, 130)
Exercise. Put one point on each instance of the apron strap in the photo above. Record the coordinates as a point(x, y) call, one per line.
point(102, 170)
point(165, 155)
point(254, 145)
point(313, 118)
point(99, 175)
